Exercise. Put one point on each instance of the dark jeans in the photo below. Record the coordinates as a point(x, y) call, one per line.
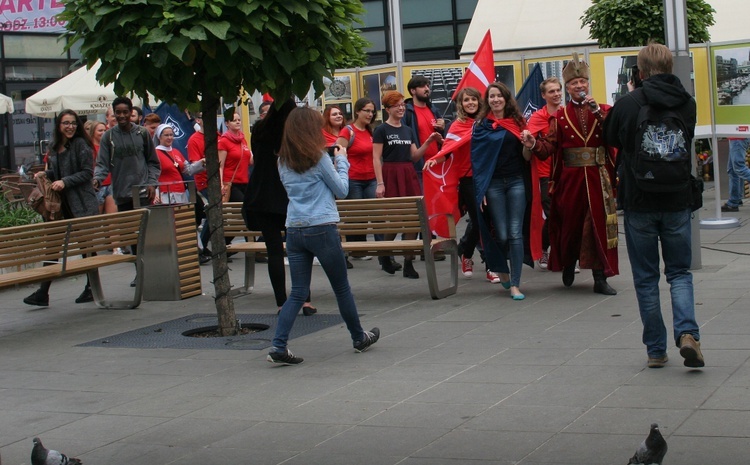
point(470, 239)
point(506, 202)
point(302, 245)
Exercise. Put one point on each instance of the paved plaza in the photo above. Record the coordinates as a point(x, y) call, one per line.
point(476, 378)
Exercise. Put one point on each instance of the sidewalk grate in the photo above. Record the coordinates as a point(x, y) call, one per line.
point(168, 335)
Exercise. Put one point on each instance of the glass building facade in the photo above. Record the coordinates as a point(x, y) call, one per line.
point(29, 62)
point(429, 29)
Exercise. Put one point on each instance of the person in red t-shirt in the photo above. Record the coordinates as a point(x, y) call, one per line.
point(333, 119)
point(235, 159)
point(551, 90)
point(423, 118)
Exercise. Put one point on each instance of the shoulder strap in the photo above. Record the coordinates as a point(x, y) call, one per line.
point(351, 134)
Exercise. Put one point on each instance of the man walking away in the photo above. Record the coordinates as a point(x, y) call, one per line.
point(661, 215)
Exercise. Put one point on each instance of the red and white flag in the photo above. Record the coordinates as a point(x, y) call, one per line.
point(481, 72)
point(441, 180)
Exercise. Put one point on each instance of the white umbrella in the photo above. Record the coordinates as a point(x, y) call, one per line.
point(78, 91)
point(6, 104)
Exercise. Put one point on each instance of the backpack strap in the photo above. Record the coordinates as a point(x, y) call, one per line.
point(351, 134)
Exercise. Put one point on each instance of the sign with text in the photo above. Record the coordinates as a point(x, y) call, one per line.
point(31, 16)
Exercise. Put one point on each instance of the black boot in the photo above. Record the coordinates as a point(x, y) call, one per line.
point(409, 271)
point(387, 265)
point(569, 274)
point(600, 283)
point(86, 295)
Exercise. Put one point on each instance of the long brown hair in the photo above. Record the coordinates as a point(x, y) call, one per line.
point(60, 140)
point(511, 106)
point(302, 143)
point(461, 114)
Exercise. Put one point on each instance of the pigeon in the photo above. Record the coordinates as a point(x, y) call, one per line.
point(652, 450)
point(43, 456)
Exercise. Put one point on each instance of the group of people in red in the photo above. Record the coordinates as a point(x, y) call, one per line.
point(564, 214)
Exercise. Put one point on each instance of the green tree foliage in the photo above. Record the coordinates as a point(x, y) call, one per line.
point(614, 23)
point(194, 52)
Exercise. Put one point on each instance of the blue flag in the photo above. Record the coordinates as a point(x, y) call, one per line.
point(181, 125)
point(529, 98)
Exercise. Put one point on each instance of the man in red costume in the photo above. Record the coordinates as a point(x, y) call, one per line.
point(583, 217)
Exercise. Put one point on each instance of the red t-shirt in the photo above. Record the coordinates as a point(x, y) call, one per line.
point(539, 127)
point(169, 172)
point(196, 148)
point(237, 154)
point(330, 138)
point(426, 126)
point(359, 154)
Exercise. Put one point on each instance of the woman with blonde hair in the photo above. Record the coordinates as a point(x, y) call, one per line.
point(312, 182)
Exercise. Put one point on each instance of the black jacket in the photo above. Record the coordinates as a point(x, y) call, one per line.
point(660, 91)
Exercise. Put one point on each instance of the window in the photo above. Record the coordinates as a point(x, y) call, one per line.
point(428, 37)
point(465, 8)
point(374, 16)
point(426, 11)
point(34, 46)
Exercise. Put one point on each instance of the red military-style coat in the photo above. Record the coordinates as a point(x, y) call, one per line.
point(583, 220)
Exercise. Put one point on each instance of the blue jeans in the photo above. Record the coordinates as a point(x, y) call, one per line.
point(302, 244)
point(362, 189)
point(506, 200)
point(643, 232)
point(738, 171)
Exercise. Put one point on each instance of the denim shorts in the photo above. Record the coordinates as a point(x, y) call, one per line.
point(103, 193)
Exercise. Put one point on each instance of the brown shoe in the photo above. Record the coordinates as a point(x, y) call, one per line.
point(690, 349)
point(657, 362)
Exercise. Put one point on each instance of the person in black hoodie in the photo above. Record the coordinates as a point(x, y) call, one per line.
point(651, 218)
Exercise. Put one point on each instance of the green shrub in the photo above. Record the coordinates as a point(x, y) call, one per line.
point(16, 214)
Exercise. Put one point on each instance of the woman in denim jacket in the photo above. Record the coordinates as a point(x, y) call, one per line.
point(312, 183)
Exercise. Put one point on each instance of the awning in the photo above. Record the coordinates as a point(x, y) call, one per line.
point(78, 91)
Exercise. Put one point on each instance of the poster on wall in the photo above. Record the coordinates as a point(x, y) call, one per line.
point(551, 67)
point(445, 79)
point(339, 92)
point(731, 88)
point(618, 71)
point(375, 84)
point(31, 16)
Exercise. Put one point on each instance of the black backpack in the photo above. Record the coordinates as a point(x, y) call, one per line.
point(661, 161)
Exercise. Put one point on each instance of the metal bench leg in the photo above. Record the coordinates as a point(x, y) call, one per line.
point(249, 283)
point(450, 248)
point(101, 302)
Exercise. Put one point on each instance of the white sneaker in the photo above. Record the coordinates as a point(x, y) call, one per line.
point(364, 259)
point(117, 251)
point(544, 261)
point(493, 277)
point(577, 269)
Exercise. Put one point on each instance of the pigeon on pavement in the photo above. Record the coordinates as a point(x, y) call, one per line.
point(652, 450)
point(43, 456)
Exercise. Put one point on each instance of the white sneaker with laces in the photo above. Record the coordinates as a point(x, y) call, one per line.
point(467, 266)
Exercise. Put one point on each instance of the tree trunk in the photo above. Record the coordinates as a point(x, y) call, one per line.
point(224, 302)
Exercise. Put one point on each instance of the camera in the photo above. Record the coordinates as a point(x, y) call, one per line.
point(332, 150)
